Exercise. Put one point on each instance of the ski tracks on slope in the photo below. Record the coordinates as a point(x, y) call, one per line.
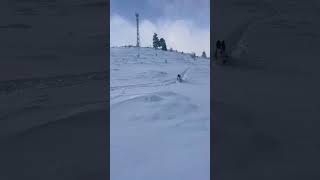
point(161, 83)
point(166, 82)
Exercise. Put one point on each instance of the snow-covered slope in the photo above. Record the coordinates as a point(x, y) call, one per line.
point(266, 100)
point(53, 89)
point(54, 128)
point(160, 128)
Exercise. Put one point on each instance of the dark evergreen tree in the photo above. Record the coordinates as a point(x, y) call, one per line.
point(204, 55)
point(156, 42)
point(163, 44)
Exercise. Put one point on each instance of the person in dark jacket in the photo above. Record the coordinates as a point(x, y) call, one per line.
point(179, 78)
point(223, 46)
point(218, 45)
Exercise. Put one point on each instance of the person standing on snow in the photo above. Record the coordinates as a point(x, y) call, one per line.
point(223, 47)
point(179, 78)
point(218, 46)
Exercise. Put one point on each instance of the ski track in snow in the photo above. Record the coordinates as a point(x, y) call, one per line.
point(51, 82)
point(160, 128)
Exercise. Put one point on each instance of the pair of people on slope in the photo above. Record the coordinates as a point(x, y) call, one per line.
point(221, 45)
point(220, 48)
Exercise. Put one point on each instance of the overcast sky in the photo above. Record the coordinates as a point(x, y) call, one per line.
point(184, 24)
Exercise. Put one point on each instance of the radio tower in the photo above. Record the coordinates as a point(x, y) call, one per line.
point(138, 37)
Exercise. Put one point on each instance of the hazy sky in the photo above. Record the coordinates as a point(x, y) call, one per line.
point(184, 24)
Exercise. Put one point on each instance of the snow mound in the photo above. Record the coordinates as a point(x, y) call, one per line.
point(161, 106)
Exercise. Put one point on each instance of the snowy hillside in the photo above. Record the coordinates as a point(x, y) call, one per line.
point(47, 124)
point(266, 100)
point(160, 128)
point(53, 90)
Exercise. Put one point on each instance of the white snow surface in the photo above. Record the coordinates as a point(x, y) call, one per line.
point(54, 127)
point(266, 98)
point(160, 128)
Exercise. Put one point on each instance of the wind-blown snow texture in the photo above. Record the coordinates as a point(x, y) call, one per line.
point(266, 100)
point(160, 129)
point(53, 90)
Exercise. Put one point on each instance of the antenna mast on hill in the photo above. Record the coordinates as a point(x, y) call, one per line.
point(138, 37)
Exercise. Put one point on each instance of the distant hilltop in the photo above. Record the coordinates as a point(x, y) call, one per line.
point(170, 50)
